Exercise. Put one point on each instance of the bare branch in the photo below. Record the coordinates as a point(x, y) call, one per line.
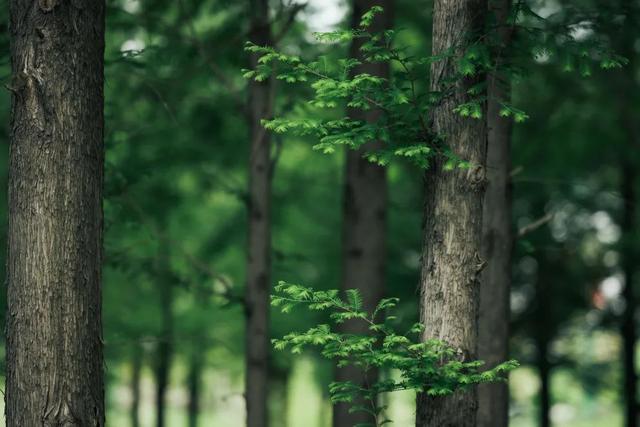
point(529, 228)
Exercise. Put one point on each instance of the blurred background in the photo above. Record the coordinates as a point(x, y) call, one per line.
point(176, 169)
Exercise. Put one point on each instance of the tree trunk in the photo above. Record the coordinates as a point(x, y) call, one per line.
point(628, 327)
point(364, 221)
point(544, 371)
point(136, 371)
point(543, 332)
point(629, 163)
point(165, 343)
point(259, 246)
point(54, 330)
point(493, 332)
point(195, 372)
point(451, 266)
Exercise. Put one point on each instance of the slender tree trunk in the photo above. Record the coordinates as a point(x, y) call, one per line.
point(627, 86)
point(628, 327)
point(493, 332)
point(544, 330)
point(165, 344)
point(195, 372)
point(136, 371)
point(364, 221)
point(259, 246)
point(451, 266)
point(54, 330)
point(544, 371)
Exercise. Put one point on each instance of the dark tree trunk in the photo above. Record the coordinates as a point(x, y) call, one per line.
point(136, 371)
point(628, 327)
point(493, 332)
point(364, 221)
point(165, 343)
point(451, 266)
point(544, 330)
point(627, 86)
point(544, 371)
point(195, 372)
point(259, 245)
point(54, 330)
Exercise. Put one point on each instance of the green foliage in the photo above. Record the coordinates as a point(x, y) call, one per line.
point(403, 101)
point(430, 366)
point(402, 104)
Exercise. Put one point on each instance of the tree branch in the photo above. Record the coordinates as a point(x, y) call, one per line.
point(529, 228)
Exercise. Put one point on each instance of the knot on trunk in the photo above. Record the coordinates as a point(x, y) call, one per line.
point(60, 415)
point(477, 177)
point(480, 264)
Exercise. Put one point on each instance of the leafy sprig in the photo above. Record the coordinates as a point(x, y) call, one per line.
point(432, 366)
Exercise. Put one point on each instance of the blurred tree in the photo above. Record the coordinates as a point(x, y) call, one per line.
point(194, 385)
point(493, 321)
point(544, 331)
point(259, 231)
point(629, 163)
point(364, 225)
point(259, 253)
point(136, 372)
point(165, 281)
point(54, 328)
point(161, 164)
point(558, 264)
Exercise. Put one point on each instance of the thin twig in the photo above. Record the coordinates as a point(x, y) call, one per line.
point(529, 228)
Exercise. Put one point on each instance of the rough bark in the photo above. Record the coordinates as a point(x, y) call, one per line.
point(259, 245)
point(54, 330)
point(364, 220)
point(493, 332)
point(452, 264)
point(195, 372)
